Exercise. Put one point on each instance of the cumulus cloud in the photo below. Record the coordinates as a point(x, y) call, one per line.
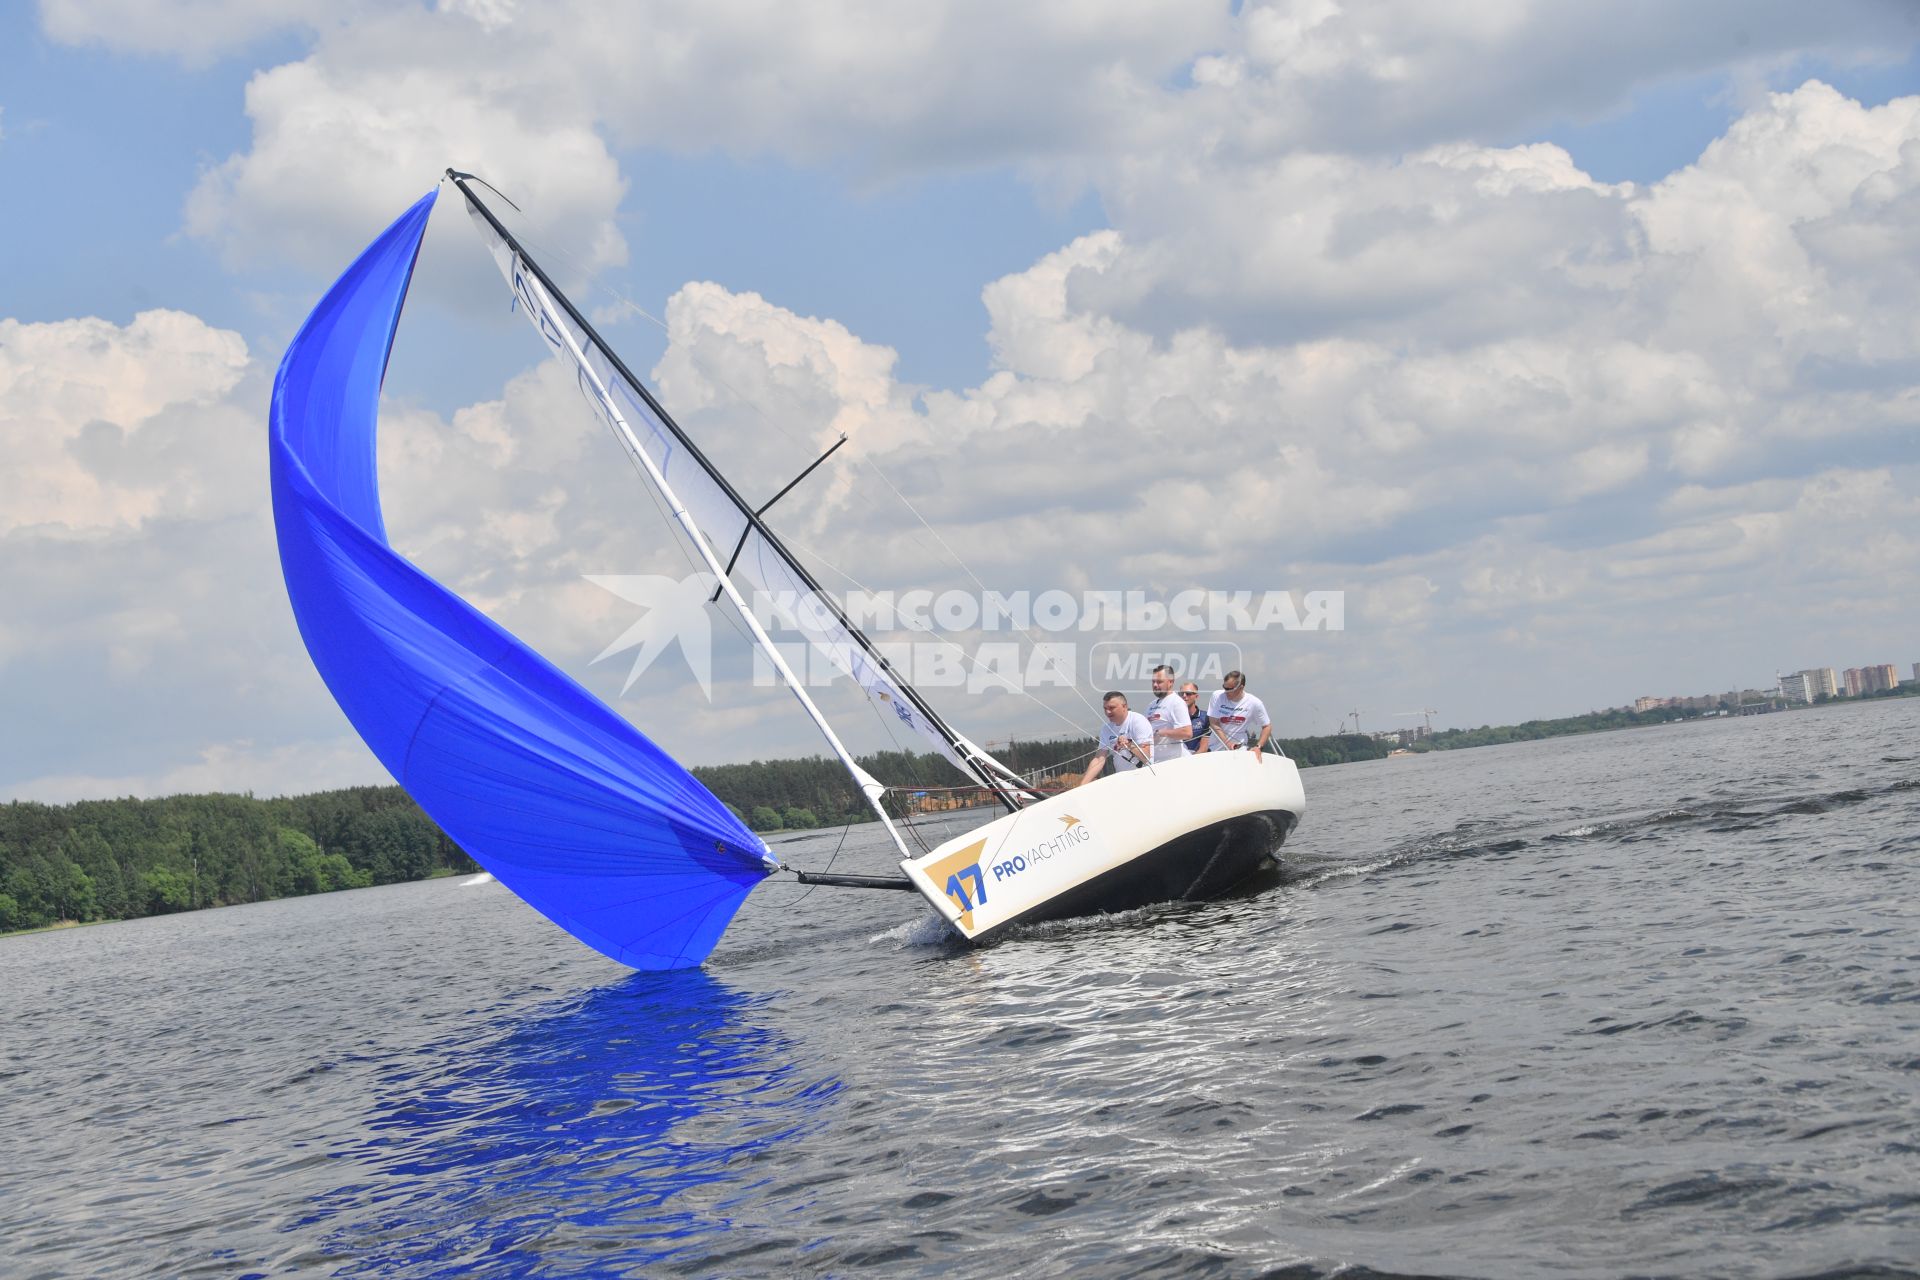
point(196, 30)
point(1384, 77)
point(147, 636)
point(1476, 240)
point(1650, 424)
point(227, 766)
point(96, 416)
point(1337, 336)
point(943, 83)
point(740, 349)
point(531, 96)
point(1133, 97)
point(135, 548)
point(337, 151)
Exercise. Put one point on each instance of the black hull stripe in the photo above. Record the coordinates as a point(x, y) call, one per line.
point(1207, 862)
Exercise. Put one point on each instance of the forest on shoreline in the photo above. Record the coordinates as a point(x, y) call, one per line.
point(122, 859)
point(1622, 718)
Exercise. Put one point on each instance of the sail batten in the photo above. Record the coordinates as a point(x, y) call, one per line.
point(559, 797)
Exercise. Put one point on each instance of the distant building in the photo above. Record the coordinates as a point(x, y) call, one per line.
point(1916, 672)
point(1793, 688)
point(1650, 704)
point(1820, 682)
point(1855, 681)
point(1400, 737)
point(1878, 678)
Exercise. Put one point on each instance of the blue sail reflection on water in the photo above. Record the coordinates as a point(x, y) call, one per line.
point(606, 1132)
point(555, 794)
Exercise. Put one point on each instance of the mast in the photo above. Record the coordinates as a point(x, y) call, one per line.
point(870, 787)
point(1001, 782)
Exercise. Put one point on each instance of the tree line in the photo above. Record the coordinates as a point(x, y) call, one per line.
point(814, 791)
point(1530, 730)
point(1615, 718)
point(121, 859)
point(126, 858)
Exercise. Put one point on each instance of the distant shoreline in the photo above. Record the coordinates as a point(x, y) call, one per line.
point(1621, 718)
point(55, 927)
point(126, 859)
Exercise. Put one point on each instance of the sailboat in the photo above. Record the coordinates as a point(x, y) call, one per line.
point(566, 802)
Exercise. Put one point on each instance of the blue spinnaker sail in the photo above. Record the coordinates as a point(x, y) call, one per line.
point(559, 797)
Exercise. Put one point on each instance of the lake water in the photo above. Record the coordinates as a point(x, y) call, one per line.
point(1636, 1003)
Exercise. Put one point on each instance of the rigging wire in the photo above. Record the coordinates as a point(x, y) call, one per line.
point(733, 621)
point(887, 726)
point(962, 564)
point(680, 542)
point(912, 769)
point(953, 557)
point(593, 283)
point(922, 629)
point(831, 858)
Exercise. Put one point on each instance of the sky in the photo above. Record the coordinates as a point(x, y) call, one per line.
point(1575, 345)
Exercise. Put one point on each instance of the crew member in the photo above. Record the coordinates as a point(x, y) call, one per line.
point(1121, 734)
point(1168, 716)
point(1190, 696)
point(1239, 715)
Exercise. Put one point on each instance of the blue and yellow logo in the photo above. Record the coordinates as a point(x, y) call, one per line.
point(958, 872)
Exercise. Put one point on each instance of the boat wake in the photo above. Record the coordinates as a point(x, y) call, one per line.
point(1479, 838)
point(932, 932)
point(922, 931)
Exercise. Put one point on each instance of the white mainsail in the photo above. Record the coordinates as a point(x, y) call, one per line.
point(723, 518)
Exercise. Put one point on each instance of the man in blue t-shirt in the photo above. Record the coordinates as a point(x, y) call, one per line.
point(1197, 716)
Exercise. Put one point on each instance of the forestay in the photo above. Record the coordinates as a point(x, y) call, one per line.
point(723, 516)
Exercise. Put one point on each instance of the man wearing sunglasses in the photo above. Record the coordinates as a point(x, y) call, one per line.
point(1190, 694)
point(1239, 715)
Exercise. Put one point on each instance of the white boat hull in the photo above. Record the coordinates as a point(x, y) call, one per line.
point(1187, 829)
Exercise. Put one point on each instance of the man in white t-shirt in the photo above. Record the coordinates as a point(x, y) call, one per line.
point(1239, 715)
point(1122, 733)
point(1168, 716)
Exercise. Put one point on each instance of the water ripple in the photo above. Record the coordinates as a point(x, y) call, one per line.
point(1638, 1003)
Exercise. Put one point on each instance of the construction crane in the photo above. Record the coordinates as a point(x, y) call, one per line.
point(1425, 713)
point(1356, 721)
